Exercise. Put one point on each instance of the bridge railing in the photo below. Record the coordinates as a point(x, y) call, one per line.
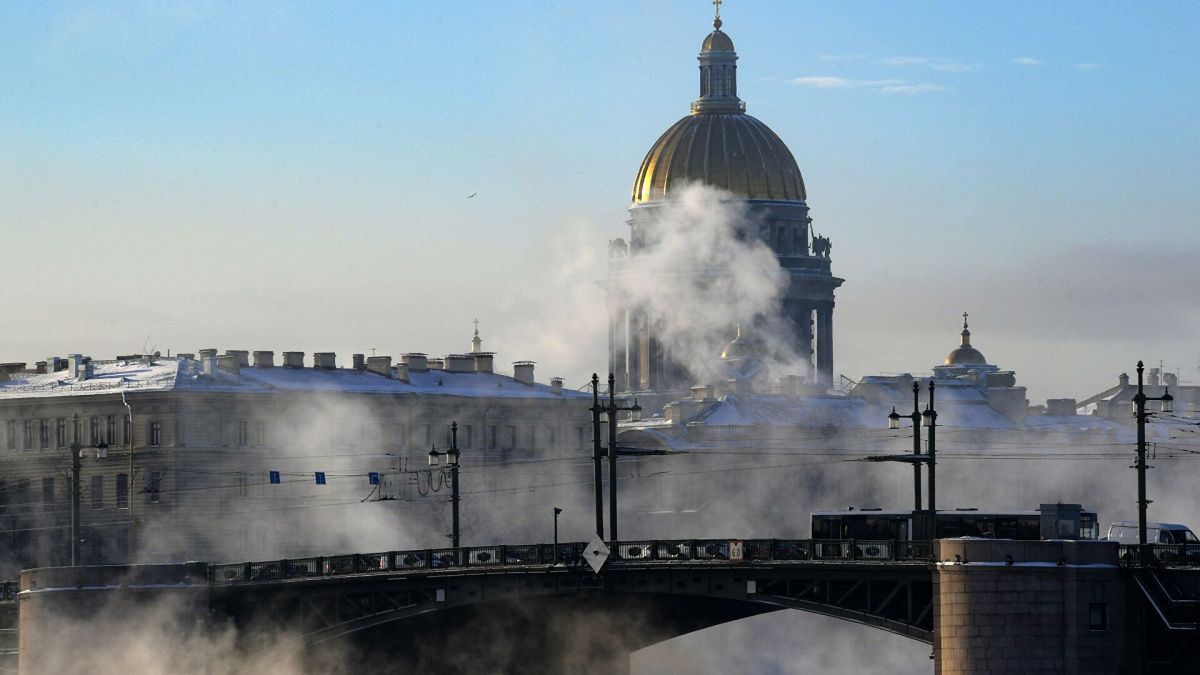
point(571, 554)
point(1161, 555)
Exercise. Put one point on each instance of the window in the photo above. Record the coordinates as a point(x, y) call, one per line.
point(242, 479)
point(47, 490)
point(75, 438)
point(550, 437)
point(428, 435)
point(60, 432)
point(23, 489)
point(28, 439)
point(95, 431)
point(491, 436)
point(110, 430)
point(153, 487)
point(155, 434)
point(511, 437)
point(1097, 616)
point(3, 496)
point(241, 433)
point(44, 434)
point(125, 432)
point(467, 436)
point(97, 492)
point(581, 438)
point(260, 433)
point(122, 491)
point(10, 434)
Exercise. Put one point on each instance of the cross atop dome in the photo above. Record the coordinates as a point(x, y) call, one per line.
point(717, 14)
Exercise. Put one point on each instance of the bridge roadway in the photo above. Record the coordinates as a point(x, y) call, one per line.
point(683, 585)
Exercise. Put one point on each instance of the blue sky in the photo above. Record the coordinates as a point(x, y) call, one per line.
point(293, 175)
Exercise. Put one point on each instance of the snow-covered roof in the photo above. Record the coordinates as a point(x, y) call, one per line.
point(181, 374)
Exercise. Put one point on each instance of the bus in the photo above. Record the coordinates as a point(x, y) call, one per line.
point(1049, 521)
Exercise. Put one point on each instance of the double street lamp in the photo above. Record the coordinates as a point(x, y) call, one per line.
point(928, 419)
point(76, 449)
point(1166, 405)
point(451, 456)
point(610, 408)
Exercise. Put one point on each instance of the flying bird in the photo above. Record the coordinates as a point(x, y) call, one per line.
point(472, 195)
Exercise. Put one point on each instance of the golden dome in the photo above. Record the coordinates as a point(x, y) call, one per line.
point(717, 42)
point(719, 144)
point(966, 355)
point(735, 152)
point(740, 347)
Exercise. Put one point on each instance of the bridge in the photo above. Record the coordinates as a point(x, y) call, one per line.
point(985, 606)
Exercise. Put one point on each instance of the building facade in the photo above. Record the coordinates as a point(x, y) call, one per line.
point(213, 456)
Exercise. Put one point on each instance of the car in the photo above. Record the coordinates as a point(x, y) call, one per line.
point(1171, 542)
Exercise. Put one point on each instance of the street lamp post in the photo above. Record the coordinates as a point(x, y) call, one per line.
point(76, 449)
point(596, 455)
point(915, 416)
point(1167, 405)
point(927, 419)
point(451, 456)
point(556, 512)
point(612, 409)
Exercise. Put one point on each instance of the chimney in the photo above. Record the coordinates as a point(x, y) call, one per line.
point(556, 385)
point(1171, 380)
point(242, 356)
point(1123, 379)
point(523, 371)
point(380, 364)
point(1062, 407)
point(55, 364)
point(702, 393)
point(293, 359)
point(401, 372)
point(76, 366)
point(230, 363)
point(208, 363)
point(1152, 380)
point(186, 356)
point(7, 370)
point(434, 364)
point(459, 363)
point(40, 368)
point(264, 359)
point(790, 385)
point(208, 354)
point(325, 360)
point(415, 361)
point(360, 362)
point(483, 361)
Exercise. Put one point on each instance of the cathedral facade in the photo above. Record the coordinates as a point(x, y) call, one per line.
point(721, 146)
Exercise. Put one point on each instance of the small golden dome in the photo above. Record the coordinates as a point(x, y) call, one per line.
point(966, 355)
point(740, 347)
point(717, 42)
point(735, 152)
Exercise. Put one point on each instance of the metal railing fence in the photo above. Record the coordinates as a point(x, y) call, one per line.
point(703, 551)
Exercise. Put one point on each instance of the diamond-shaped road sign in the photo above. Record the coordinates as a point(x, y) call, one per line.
point(596, 554)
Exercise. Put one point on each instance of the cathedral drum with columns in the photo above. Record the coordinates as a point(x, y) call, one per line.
point(719, 145)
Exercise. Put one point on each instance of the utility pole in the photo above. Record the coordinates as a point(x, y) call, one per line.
point(75, 499)
point(452, 456)
point(931, 421)
point(612, 455)
point(599, 478)
point(1139, 411)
